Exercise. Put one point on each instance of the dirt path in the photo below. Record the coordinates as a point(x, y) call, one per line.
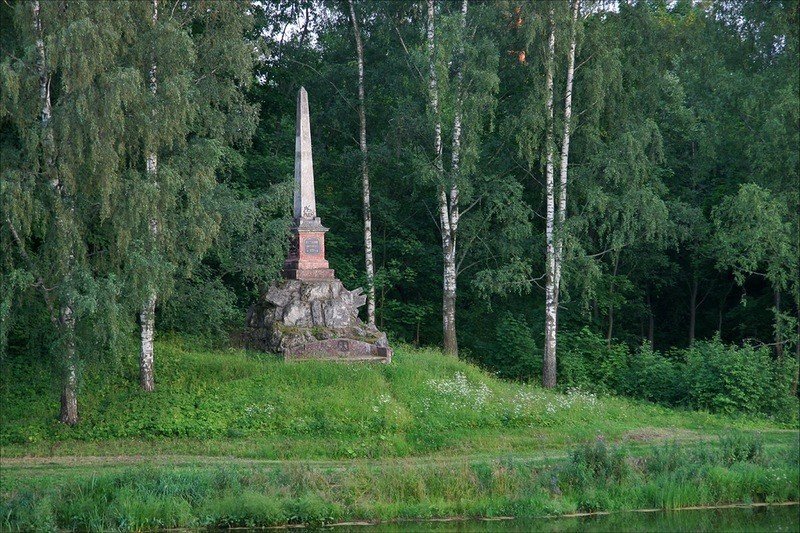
point(639, 439)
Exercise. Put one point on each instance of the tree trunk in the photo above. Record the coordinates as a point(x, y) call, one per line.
point(778, 332)
point(66, 319)
point(449, 252)
point(362, 143)
point(147, 316)
point(445, 208)
point(449, 300)
point(610, 332)
point(147, 331)
point(651, 320)
point(549, 363)
point(564, 164)
point(692, 310)
point(69, 391)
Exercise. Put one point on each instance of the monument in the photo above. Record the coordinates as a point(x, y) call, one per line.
point(309, 314)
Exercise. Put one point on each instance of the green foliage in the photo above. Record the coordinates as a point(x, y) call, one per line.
point(742, 447)
point(246, 509)
point(730, 379)
point(653, 377)
point(201, 306)
point(517, 353)
point(709, 375)
point(753, 234)
point(595, 463)
point(587, 361)
point(230, 493)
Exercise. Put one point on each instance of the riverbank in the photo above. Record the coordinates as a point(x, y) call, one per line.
point(232, 438)
point(151, 493)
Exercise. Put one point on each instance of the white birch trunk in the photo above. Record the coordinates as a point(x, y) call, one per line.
point(551, 305)
point(147, 316)
point(365, 186)
point(66, 321)
point(449, 245)
point(564, 164)
point(449, 272)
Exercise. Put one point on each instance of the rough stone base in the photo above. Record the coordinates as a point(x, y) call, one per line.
point(318, 319)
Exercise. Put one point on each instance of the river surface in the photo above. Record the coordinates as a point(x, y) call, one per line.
point(753, 519)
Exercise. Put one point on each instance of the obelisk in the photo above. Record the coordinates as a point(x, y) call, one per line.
point(306, 259)
point(309, 314)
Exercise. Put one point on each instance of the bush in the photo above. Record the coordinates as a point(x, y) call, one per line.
point(652, 376)
point(201, 307)
point(246, 509)
point(710, 375)
point(729, 379)
point(595, 464)
point(519, 354)
point(587, 361)
point(665, 459)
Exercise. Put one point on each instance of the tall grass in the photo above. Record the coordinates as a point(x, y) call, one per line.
point(595, 477)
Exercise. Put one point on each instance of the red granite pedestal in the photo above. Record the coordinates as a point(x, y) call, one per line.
point(306, 259)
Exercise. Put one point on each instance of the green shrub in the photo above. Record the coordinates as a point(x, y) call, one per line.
point(244, 509)
point(729, 379)
point(709, 376)
point(742, 447)
point(586, 361)
point(651, 376)
point(665, 459)
point(519, 353)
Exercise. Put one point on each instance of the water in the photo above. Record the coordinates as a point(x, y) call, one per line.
point(752, 519)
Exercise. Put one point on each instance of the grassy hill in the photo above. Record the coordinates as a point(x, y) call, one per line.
point(238, 438)
point(246, 404)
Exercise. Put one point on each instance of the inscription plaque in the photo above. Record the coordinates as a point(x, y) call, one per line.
point(312, 246)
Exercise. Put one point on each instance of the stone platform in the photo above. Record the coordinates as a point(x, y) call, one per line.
point(314, 319)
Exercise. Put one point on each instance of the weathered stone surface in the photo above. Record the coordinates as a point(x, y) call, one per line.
point(340, 348)
point(306, 319)
point(304, 198)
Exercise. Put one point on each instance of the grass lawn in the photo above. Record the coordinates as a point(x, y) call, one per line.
point(238, 438)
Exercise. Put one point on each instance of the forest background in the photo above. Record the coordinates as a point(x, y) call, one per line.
point(155, 190)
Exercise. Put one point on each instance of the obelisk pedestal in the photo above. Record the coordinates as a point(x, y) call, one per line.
point(309, 314)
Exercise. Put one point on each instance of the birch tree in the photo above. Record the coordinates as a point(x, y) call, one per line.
point(147, 315)
point(365, 187)
point(63, 212)
point(556, 216)
point(65, 99)
point(551, 303)
point(196, 113)
point(447, 189)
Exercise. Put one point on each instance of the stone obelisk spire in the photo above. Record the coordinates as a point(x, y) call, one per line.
point(305, 205)
point(306, 259)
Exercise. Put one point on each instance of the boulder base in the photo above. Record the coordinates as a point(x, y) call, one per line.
point(314, 319)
